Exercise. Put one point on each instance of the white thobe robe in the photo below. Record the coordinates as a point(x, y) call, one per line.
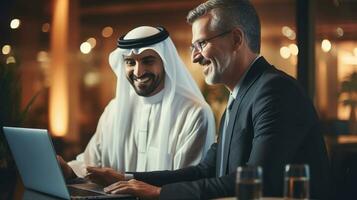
point(188, 135)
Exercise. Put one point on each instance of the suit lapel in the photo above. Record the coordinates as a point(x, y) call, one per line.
point(254, 72)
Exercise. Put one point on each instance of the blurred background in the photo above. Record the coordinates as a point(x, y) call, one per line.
point(57, 52)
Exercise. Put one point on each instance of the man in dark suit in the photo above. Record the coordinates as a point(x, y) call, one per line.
point(269, 120)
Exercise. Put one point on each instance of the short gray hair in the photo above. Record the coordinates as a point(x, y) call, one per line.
point(228, 14)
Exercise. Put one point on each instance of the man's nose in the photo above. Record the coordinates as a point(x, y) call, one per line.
point(138, 70)
point(196, 56)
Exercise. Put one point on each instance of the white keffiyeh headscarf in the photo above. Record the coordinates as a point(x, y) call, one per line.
point(177, 81)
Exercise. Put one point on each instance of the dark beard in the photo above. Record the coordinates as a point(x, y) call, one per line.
point(147, 90)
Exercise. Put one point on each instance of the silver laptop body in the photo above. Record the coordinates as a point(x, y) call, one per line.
point(37, 164)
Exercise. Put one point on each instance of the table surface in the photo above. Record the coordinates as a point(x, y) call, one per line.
point(264, 198)
point(30, 195)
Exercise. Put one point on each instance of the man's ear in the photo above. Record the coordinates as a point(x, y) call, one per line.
point(238, 38)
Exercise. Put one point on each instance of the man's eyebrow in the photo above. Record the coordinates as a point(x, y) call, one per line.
point(148, 57)
point(198, 40)
point(127, 58)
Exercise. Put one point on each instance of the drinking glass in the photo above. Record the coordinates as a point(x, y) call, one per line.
point(249, 182)
point(296, 181)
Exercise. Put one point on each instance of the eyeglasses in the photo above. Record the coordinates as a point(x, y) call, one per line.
point(200, 44)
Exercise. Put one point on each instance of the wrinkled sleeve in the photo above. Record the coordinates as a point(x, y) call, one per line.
point(92, 155)
point(198, 133)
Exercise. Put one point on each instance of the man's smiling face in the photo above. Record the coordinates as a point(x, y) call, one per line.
point(145, 72)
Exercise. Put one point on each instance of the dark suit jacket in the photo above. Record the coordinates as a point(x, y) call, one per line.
point(273, 123)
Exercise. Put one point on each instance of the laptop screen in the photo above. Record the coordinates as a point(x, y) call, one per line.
point(36, 161)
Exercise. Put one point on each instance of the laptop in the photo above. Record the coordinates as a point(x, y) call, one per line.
point(34, 155)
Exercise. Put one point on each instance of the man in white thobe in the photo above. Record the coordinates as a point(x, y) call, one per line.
point(158, 120)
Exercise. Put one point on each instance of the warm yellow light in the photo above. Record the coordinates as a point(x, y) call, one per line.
point(107, 31)
point(59, 99)
point(42, 56)
point(15, 23)
point(59, 120)
point(292, 36)
point(10, 59)
point(339, 31)
point(355, 51)
point(294, 49)
point(85, 47)
point(92, 41)
point(326, 45)
point(345, 139)
point(45, 27)
point(6, 49)
point(91, 79)
point(349, 59)
point(288, 32)
point(285, 52)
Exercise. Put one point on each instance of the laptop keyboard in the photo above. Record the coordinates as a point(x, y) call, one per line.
point(83, 194)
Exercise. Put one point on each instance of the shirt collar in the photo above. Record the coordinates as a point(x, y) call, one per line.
point(236, 88)
point(156, 98)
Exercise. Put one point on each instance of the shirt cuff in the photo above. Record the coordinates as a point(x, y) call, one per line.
point(128, 176)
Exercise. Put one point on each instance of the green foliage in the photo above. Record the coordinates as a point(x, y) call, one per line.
point(11, 113)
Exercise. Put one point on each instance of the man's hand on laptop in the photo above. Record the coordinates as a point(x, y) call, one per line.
point(135, 188)
point(104, 175)
point(66, 169)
